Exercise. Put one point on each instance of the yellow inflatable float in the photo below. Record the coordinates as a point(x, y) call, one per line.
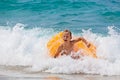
point(56, 41)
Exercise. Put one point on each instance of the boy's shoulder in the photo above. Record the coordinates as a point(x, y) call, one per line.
point(61, 45)
point(72, 41)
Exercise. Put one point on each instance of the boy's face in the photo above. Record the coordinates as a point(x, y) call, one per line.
point(66, 36)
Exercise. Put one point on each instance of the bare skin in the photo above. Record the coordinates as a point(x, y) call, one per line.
point(67, 47)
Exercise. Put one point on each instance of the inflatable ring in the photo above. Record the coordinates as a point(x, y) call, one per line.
point(56, 41)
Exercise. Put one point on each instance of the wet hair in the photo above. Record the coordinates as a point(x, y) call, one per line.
point(68, 32)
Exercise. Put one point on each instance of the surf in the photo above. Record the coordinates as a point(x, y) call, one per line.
point(27, 47)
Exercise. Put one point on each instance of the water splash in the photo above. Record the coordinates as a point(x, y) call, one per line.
point(19, 46)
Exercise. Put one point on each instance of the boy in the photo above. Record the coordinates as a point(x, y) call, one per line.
point(67, 47)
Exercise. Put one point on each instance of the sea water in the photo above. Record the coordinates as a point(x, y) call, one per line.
point(27, 25)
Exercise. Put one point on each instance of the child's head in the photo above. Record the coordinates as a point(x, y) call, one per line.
point(67, 35)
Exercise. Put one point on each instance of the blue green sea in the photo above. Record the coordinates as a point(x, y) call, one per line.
point(61, 14)
point(27, 25)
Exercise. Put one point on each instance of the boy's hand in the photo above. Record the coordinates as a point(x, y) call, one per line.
point(75, 57)
point(88, 45)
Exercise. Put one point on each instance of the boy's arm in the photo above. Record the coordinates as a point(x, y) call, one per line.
point(81, 38)
point(58, 51)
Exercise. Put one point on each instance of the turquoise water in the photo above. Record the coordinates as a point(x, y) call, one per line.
point(61, 14)
point(27, 25)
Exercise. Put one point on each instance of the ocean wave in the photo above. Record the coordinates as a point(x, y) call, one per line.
point(27, 47)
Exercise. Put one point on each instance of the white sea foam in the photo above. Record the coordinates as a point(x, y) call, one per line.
point(19, 46)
